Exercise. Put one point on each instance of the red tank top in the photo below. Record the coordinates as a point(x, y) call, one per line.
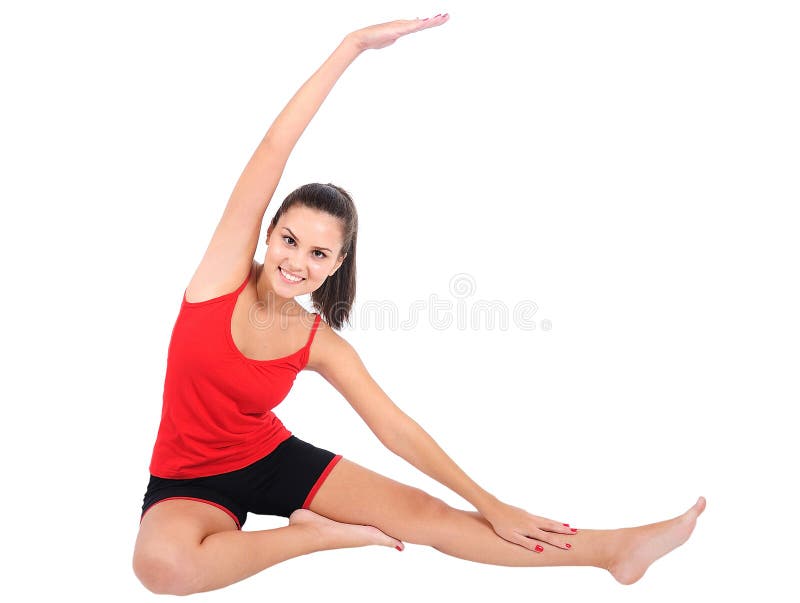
point(217, 405)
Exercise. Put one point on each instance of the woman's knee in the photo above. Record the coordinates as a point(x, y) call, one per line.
point(167, 555)
point(166, 570)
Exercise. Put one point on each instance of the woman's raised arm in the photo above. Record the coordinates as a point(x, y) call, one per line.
point(260, 177)
point(229, 255)
point(262, 173)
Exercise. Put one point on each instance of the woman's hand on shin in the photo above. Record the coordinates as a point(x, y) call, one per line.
point(530, 531)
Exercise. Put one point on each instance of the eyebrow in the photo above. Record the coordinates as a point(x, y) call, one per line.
point(298, 240)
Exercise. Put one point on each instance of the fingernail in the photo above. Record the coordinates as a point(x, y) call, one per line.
point(569, 546)
point(539, 549)
point(574, 529)
point(566, 525)
point(398, 548)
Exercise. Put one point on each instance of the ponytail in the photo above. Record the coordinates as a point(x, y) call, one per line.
point(334, 299)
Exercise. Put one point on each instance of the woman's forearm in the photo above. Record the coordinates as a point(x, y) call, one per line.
point(416, 446)
point(259, 179)
point(285, 131)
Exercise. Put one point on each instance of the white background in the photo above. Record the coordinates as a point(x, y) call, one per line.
point(630, 167)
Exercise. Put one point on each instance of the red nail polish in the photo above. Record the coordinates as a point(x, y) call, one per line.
point(574, 529)
point(539, 549)
point(398, 548)
point(566, 525)
point(569, 546)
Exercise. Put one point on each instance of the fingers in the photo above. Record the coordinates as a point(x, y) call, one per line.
point(528, 543)
point(558, 528)
point(431, 21)
point(537, 538)
point(534, 542)
point(550, 538)
point(406, 26)
point(552, 532)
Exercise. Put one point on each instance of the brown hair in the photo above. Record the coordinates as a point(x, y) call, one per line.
point(334, 299)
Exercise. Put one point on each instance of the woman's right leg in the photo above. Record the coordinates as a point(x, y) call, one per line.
point(186, 546)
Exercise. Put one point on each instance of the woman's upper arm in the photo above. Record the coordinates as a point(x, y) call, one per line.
point(340, 365)
point(230, 253)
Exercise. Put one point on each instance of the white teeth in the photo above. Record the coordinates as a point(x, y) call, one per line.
point(294, 279)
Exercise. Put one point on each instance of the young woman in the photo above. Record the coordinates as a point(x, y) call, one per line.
point(237, 345)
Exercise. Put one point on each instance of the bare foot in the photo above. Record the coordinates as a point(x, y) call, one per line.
point(640, 547)
point(338, 535)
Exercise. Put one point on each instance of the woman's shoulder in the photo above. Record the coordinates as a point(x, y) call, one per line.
point(327, 347)
point(212, 282)
point(323, 329)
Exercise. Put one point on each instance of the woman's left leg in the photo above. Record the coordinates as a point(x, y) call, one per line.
point(355, 495)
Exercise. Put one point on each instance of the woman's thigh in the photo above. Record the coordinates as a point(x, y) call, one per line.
point(169, 535)
point(354, 494)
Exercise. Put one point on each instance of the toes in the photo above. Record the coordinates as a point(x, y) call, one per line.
point(392, 542)
point(386, 540)
point(397, 544)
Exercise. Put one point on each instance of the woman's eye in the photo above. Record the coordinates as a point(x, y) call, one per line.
point(321, 255)
point(288, 237)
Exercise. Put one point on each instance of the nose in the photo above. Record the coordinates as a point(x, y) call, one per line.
point(294, 266)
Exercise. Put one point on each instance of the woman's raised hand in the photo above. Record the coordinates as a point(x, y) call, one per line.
point(384, 34)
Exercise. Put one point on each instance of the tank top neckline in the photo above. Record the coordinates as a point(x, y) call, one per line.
point(235, 295)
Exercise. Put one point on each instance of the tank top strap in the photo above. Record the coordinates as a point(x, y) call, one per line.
point(313, 331)
point(241, 287)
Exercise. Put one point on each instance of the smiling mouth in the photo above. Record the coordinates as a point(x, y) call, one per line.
point(289, 277)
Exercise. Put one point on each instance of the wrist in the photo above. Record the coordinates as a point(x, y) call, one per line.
point(353, 43)
point(488, 504)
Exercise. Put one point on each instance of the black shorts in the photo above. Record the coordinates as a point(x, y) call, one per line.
point(284, 480)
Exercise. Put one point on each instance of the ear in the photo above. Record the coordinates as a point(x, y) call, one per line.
point(269, 232)
point(339, 263)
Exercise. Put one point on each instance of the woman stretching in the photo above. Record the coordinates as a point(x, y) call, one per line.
point(239, 341)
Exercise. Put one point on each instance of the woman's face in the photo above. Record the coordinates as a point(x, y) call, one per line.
point(305, 245)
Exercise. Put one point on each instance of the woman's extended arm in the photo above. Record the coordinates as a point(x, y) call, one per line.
point(341, 366)
point(338, 362)
point(514, 524)
point(416, 446)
